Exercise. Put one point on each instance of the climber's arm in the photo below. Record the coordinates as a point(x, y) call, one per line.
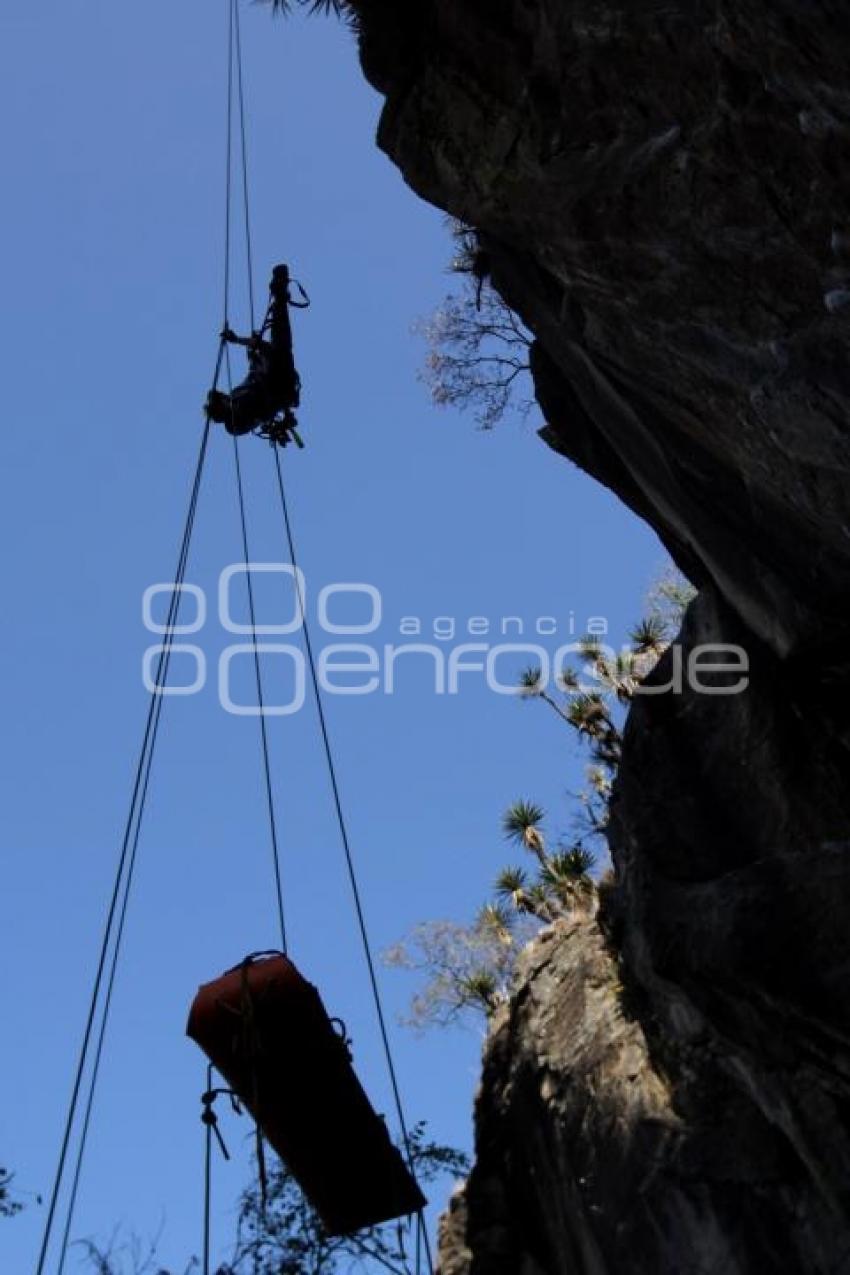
point(230, 336)
point(304, 302)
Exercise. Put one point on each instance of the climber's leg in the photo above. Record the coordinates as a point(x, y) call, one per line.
point(234, 411)
point(217, 406)
point(239, 412)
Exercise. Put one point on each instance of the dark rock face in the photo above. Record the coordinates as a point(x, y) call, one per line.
point(663, 189)
point(669, 1093)
point(594, 1156)
point(730, 918)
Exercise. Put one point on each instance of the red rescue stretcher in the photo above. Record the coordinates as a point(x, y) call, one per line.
point(265, 1030)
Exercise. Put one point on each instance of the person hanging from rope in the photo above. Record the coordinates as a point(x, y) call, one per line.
point(268, 396)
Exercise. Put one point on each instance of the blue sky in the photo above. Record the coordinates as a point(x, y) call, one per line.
point(111, 269)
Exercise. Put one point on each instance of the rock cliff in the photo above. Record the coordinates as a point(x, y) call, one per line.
point(662, 190)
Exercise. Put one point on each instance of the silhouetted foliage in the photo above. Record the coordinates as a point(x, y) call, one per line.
point(132, 1256)
point(334, 8)
point(9, 1206)
point(478, 355)
point(285, 1237)
point(343, 9)
point(468, 967)
point(338, 7)
point(477, 358)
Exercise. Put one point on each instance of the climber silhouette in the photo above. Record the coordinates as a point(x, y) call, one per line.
point(271, 391)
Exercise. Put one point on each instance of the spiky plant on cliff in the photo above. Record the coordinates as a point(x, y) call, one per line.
point(521, 823)
point(344, 9)
point(338, 7)
point(591, 699)
point(563, 880)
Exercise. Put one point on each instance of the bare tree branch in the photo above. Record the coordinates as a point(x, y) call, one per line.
point(478, 348)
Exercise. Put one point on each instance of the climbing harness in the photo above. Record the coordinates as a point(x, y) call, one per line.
point(279, 433)
point(341, 1151)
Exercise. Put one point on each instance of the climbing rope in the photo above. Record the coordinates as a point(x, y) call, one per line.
point(107, 965)
point(423, 1240)
point(258, 677)
point(95, 1032)
point(208, 1140)
point(236, 102)
point(246, 206)
point(235, 73)
point(100, 1002)
point(228, 164)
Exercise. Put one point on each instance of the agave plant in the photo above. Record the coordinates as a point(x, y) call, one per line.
point(615, 673)
point(624, 673)
point(568, 680)
point(496, 919)
point(539, 903)
point(313, 6)
point(512, 886)
point(531, 682)
point(650, 636)
point(521, 823)
point(588, 713)
point(590, 647)
point(567, 875)
point(574, 864)
point(481, 988)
